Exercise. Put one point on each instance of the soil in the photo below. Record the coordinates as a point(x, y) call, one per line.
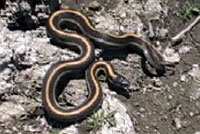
point(156, 112)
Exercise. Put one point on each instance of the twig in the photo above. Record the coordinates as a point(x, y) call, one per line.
point(180, 35)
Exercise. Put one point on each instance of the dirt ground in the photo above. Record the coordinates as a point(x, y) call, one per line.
point(157, 105)
point(157, 112)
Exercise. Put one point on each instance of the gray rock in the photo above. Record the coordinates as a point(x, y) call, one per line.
point(171, 56)
point(8, 110)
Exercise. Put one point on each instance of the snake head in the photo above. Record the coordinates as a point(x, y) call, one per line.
point(119, 82)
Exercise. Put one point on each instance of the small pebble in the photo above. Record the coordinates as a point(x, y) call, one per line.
point(177, 122)
point(183, 78)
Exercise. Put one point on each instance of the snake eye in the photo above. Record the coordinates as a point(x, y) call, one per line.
point(121, 82)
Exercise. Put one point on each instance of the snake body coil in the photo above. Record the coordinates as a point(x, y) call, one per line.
point(70, 69)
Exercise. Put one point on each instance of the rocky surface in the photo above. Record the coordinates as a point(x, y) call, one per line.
point(157, 105)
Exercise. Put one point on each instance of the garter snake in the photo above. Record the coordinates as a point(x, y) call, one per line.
point(67, 70)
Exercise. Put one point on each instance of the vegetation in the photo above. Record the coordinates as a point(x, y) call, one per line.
point(190, 10)
point(141, 1)
point(97, 120)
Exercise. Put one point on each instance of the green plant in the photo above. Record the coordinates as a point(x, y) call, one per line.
point(141, 1)
point(189, 10)
point(97, 120)
point(55, 131)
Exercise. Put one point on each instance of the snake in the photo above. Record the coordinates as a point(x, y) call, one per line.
point(84, 41)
